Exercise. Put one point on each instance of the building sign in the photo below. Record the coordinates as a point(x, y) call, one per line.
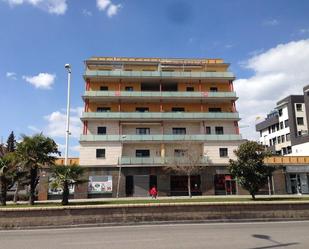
point(100, 184)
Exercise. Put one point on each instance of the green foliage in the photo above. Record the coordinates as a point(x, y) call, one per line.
point(249, 168)
point(11, 143)
point(33, 153)
point(63, 176)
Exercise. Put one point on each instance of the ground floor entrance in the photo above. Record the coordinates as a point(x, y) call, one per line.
point(224, 184)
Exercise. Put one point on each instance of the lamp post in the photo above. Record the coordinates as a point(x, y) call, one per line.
point(120, 165)
point(67, 128)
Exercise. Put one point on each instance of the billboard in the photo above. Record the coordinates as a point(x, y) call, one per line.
point(100, 184)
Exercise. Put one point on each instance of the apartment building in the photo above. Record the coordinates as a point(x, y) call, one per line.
point(285, 130)
point(142, 114)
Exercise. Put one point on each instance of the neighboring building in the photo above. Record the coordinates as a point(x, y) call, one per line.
point(285, 130)
point(143, 113)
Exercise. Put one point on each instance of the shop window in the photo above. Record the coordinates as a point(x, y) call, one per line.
point(179, 185)
point(223, 152)
point(100, 153)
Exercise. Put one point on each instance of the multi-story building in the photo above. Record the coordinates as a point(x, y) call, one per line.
point(142, 114)
point(285, 130)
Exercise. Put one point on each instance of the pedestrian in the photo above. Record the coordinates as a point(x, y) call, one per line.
point(153, 192)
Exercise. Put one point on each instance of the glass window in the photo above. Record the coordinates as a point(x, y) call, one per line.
point(101, 130)
point(214, 109)
point(279, 140)
point(190, 89)
point(214, 89)
point(286, 123)
point(142, 109)
point(103, 88)
point(219, 130)
point(299, 107)
point(128, 88)
point(100, 153)
point(274, 141)
point(178, 109)
point(280, 112)
point(179, 130)
point(281, 125)
point(142, 153)
point(208, 130)
point(288, 137)
point(300, 121)
point(180, 152)
point(282, 138)
point(142, 131)
point(223, 152)
point(270, 142)
point(103, 109)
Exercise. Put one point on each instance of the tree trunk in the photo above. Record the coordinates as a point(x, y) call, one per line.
point(3, 189)
point(253, 195)
point(15, 199)
point(33, 183)
point(65, 193)
point(189, 186)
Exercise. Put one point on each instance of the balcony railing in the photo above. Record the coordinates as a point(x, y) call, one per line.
point(159, 161)
point(157, 74)
point(161, 115)
point(139, 94)
point(159, 137)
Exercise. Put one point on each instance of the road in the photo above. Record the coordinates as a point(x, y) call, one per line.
point(181, 236)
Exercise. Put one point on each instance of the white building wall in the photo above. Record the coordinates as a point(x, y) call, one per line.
point(300, 150)
point(112, 127)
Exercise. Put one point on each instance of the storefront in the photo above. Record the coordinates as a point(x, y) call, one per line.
point(179, 185)
point(297, 179)
point(224, 184)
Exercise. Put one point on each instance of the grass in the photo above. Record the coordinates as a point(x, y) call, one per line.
point(165, 200)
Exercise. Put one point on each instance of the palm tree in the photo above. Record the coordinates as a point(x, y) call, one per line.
point(64, 176)
point(34, 152)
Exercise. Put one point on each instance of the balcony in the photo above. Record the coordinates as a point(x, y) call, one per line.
point(109, 95)
point(159, 137)
point(157, 116)
point(158, 74)
point(153, 161)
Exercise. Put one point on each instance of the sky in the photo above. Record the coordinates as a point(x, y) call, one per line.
point(266, 42)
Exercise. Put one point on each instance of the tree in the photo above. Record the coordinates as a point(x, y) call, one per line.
point(11, 143)
point(8, 175)
point(65, 176)
point(249, 169)
point(186, 161)
point(34, 152)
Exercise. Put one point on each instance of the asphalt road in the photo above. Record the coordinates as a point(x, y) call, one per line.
point(188, 236)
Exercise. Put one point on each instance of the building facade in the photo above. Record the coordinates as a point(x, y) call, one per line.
point(143, 114)
point(285, 130)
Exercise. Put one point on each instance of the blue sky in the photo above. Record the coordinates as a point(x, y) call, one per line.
point(37, 37)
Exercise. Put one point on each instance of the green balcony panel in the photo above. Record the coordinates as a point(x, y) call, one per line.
point(161, 115)
point(159, 137)
point(157, 74)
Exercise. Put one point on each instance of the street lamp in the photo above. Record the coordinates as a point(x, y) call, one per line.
point(67, 129)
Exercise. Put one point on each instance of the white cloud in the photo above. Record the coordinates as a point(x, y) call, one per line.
point(42, 80)
point(57, 7)
point(56, 122)
point(271, 22)
point(11, 75)
point(107, 6)
point(86, 12)
point(278, 72)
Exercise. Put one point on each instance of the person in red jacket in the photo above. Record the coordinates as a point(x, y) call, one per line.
point(153, 192)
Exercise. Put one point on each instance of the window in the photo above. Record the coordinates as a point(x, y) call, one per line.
point(281, 125)
point(103, 88)
point(179, 130)
point(214, 109)
point(179, 153)
point(101, 130)
point(128, 88)
point(142, 153)
point(299, 133)
point(223, 152)
point(277, 127)
point(299, 107)
point(261, 133)
point(288, 137)
point(280, 112)
point(279, 140)
point(103, 109)
point(208, 130)
point(270, 142)
point(289, 149)
point(190, 89)
point(142, 131)
point(178, 109)
point(282, 138)
point(273, 128)
point(286, 123)
point(142, 109)
point(300, 121)
point(100, 153)
point(274, 141)
point(214, 89)
point(219, 130)
point(269, 129)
